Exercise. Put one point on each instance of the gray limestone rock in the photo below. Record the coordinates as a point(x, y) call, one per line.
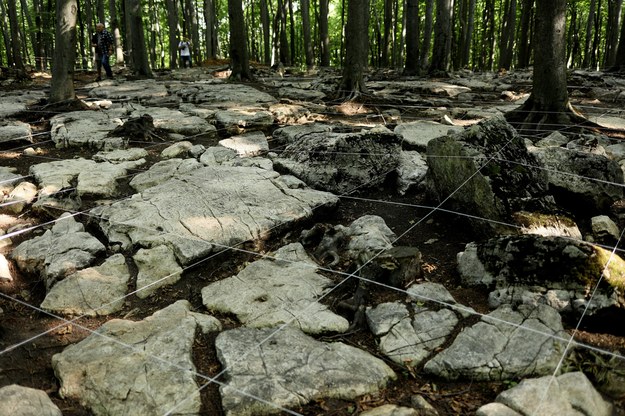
point(248, 144)
point(217, 155)
point(59, 252)
point(86, 129)
point(121, 155)
point(215, 207)
point(555, 139)
point(286, 368)
point(5, 270)
point(419, 133)
point(301, 94)
point(135, 91)
point(8, 179)
point(242, 119)
point(176, 122)
point(93, 291)
point(13, 102)
point(179, 149)
point(157, 268)
point(265, 294)
point(23, 401)
point(142, 368)
point(568, 394)
point(19, 198)
point(289, 134)
point(15, 131)
point(411, 171)
point(163, 171)
point(604, 229)
point(290, 113)
point(390, 410)
point(226, 94)
point(341, 162)
point(505, 344)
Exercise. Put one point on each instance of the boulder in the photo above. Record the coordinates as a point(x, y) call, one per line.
point(225, 95)
point(248, 144)
point(264, 294)
point(341, 162)
point(140, 91)
point(177, 122)
point(15, 131)
point(242, 119)
point(177, 150)
point(411, 171)
point(23, 401)
point(285, 368)
point(86, 129)
point(284, 113)
point(418, 134)
point(19, 198)
point(121, 155)
point(143, 368)
point(290, 134)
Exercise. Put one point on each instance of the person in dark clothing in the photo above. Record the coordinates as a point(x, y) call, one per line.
point(103, 42)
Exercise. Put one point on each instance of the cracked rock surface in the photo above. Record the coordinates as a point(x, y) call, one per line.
point(23, 401)
point(291, 369)
point(140, 368)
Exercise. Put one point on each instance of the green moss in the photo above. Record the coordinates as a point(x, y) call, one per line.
point(615, 271)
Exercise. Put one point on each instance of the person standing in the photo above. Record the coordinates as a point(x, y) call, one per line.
point(103, 42)
point(185, 53)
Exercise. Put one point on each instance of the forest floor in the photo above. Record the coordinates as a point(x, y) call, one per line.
point(439, 237)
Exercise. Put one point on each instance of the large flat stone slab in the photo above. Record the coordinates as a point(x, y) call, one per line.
point(176, 121)
point(215, 207)
point(419, 133)
point(136, 368)
point(85, 129)
point(266, 293)
point(225, 95)
point(291, 369)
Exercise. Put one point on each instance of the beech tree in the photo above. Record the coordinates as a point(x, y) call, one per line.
point(62, 84)
point(357, 48)
point(442, 36)
point(239, 58)
point(548, 106)
point(138, 51)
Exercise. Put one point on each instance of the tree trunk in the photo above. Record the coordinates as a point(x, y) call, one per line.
point(154, 29)
point(119, 50)
point(81, 38)
point(594, 56)
point(357, 48)
point(5, 33)
point(40, 51)
point(442, 36)
point(388, 26)
point(210, 35)
point(264, 18)
point(16, 41)
point(191, 26)
point(293, 56)
point(548, 107)
point(619, 59)
point(412, 38)
point(308, 50)
point(506, 48)
point(172, 24)
point(612, 32)
point(427, 34)
point(524, 40)
point(589, 34)
point(62, 84)
point(323, 32)
point(285, 56)
point(100, 11)
point(31, 27)
point(239, 60)
point(138, 52)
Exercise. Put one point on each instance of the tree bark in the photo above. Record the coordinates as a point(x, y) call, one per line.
point(427, 34)
point(119, 50)
point(264, 18)
point(210, 36)
point(138, 52)
point(239, 59)
point(619, 59)
point(412, 38)
point(388, 26)
point(323, 32)
point(16, 41)
point(62, 84)
point(357, 48)
point(442, 36)
point(172, 24)
point(612, 32)
point(506, 47)
point(548, 107)
point(589, 34)
point(524, 40)
point(308, 50)
point(31, 26)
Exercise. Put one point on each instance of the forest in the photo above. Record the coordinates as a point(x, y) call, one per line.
point(414, 35)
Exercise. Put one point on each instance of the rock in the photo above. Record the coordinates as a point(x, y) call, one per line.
point(177, 122)
point(396, 266)
point(390, 410)
point(23, 401)
point(568, 394)
point(247, 145)
point(94, 291)
point(264, 294)
point(19, 198)
point(214, 207)
point(555, 139)
point(289, 113)
point(301, 94)
point(143, 367)
point(341, 162)
point(419, 133)
point(239, 120)
point(140, 91)
point(15, 131)
point(163, 171)
point(411, 171)
point(505, 344)
point(176, 150)
point(408, 333)
point(462, 170)
point(217, 155)
point(14, 102)
point(546, 225)
point(5, 270)
point(157, 268)
point(291, 369)
point(8, 179)
point(121, 155)
point(550, 263)
point(86, 129)
point(604, 229)
point(422, 406)
point(290, 134)
point(226, 95)
point(581, 182)
point(59, 252)
point(616, 151)
point(196, 151)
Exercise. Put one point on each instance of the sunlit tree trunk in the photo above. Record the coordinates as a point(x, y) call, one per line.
point(239, 59)
point(62, 84)
point(357, 48)
point(138, 52)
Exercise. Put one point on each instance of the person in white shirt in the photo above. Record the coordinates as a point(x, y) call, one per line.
point(185, 53)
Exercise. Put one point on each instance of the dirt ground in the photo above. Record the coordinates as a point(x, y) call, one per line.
point(439, 237)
